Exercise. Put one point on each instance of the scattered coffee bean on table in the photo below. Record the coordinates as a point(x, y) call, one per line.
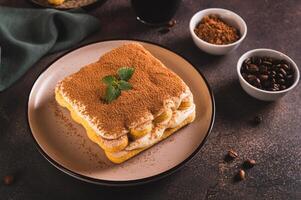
point(250, 163)
point(166, 27)
point(232, 154)
point(257, 120)
point(241, 174)
point(8, 179)
point(171, 23)
point(268, 73)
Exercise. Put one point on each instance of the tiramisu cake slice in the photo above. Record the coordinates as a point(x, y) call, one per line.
point(127, 101)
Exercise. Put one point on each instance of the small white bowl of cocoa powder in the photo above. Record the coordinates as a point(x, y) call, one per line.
point(217, 31)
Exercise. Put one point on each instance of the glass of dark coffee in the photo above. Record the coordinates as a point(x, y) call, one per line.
point(155, 12)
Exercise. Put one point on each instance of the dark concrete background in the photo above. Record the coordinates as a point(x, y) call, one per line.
point(275, 144)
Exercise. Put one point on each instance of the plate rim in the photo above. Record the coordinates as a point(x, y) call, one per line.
point(127, 182)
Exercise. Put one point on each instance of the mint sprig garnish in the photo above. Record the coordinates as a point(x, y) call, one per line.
point(118, 83)
point(108, 80)
point(123, 85)
point(125, 73)
point(112, 93)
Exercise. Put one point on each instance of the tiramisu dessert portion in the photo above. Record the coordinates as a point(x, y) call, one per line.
point(127, 101)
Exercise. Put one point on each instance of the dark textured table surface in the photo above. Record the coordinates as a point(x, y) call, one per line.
point(275, 144)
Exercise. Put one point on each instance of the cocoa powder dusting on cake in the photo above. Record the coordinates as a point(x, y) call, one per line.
point(152, 84)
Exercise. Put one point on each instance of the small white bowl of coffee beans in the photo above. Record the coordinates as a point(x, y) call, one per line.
point(266, 74)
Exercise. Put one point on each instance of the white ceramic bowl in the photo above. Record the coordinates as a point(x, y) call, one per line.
point(264, 94)
point(226, 15)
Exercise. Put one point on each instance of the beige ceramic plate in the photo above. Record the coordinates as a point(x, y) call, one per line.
point(64, 143)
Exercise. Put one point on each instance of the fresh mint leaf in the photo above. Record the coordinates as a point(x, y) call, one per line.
point(116, 85)
point(111, 93)
point(125, 73)
point(123, 85)
point(109, 80)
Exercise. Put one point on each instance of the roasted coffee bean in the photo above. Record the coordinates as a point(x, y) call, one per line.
point(247, 61)
point(253, 59)
point(253, 68)
point(280, 76)
point(281, 81)
point(241, 174)
point(257, 83)
point(171, 23)
point(232, 154)
point(259, 61)
point(282, 87)
point(273, 85)
point(282, 71)
point(269, 59)
point(273, 74)
point(289, 77)
point(249, 163)
point(254, 81)
point(285, 67)
point(8, 179)
point(256, 60)
point(263, 68)
point(257, 119)
point(251, 78)
point(263, 77)
point(268, 63)
point(272, 89)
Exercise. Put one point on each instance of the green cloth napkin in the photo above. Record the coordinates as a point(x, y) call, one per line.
point(28, 34)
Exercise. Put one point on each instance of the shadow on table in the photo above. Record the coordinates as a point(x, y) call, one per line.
point(129, 192)
point(187, 48)
point(234, 104)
